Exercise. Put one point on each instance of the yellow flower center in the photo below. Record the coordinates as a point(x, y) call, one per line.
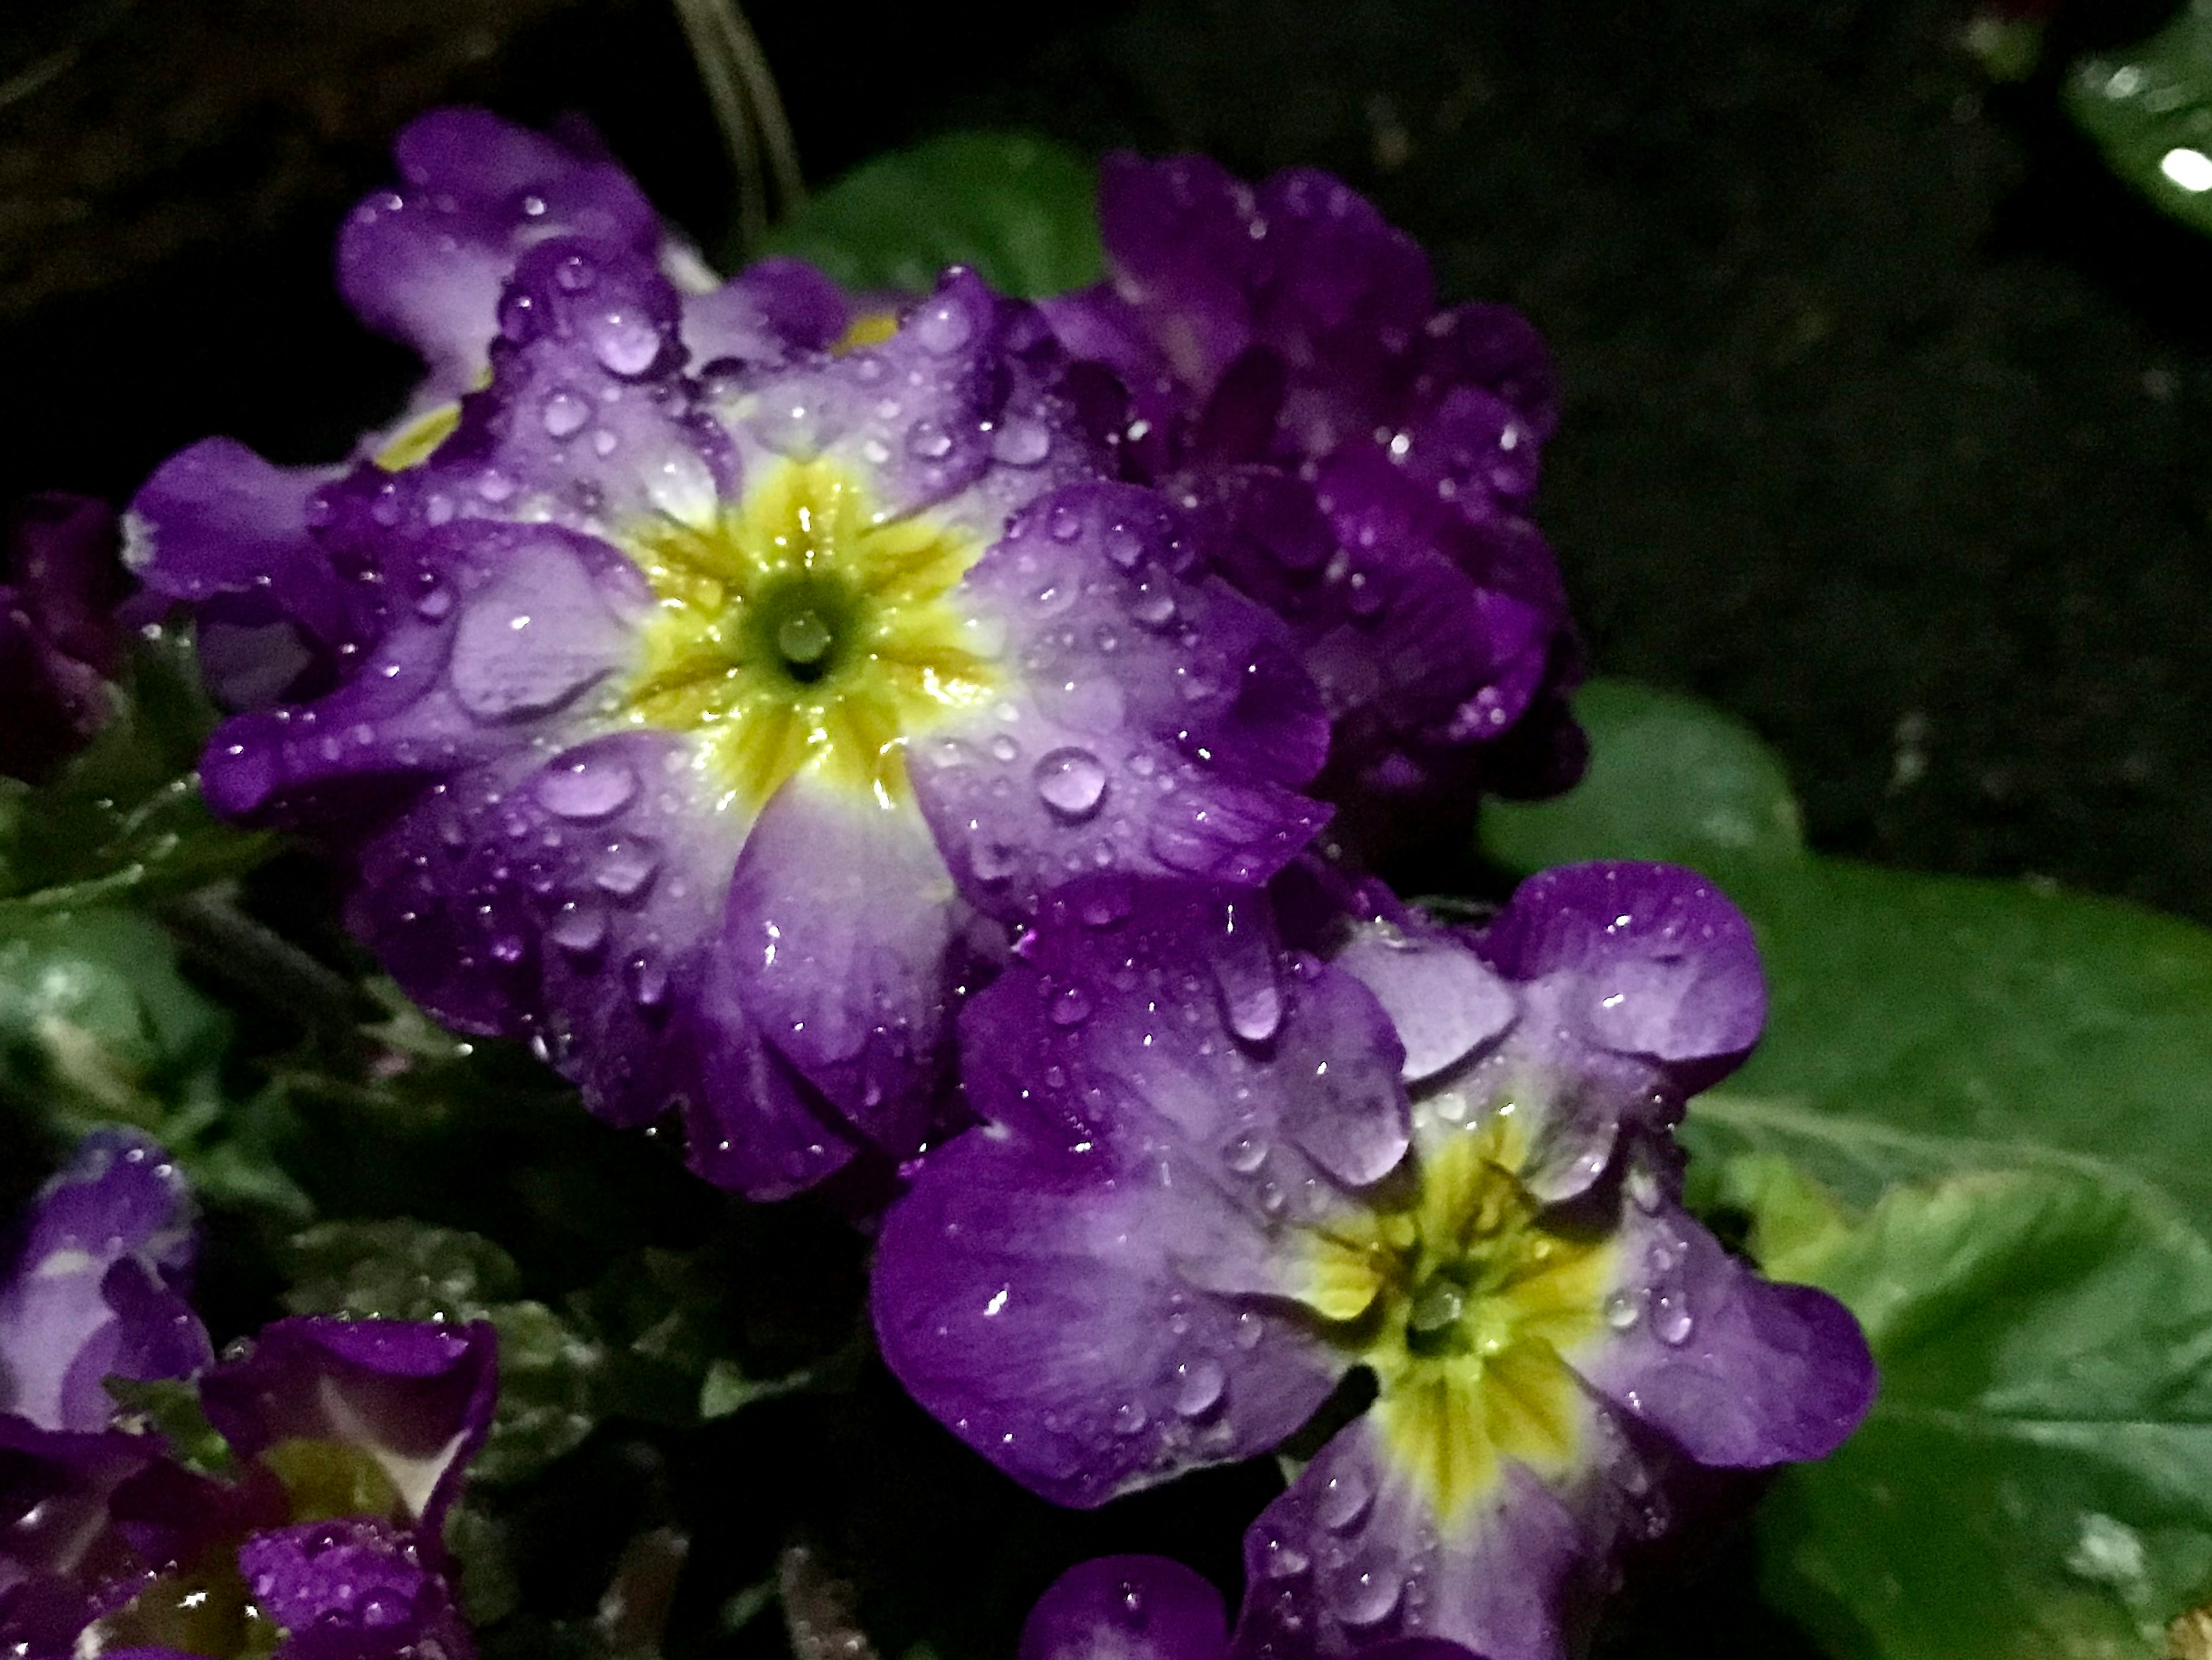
point(802, 631)
point(1463, 1299)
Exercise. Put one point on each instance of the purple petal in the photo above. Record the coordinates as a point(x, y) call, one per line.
point(351, 1588)
point(424, 263)
point(96, 1291)
point(1648, 960)
point(414, 1398)
point(1126, 1608)
point(752, 1123)
point(1165, 728)
point(1352, 1560)
point(57, 1488)
point(68, 577)
point(963, 411)
point(223, 531)
point(1089, 1289)
point(1736, 1370)
point(1180, 252)
point(769, 312)
point(511, 625)
point(839, 929)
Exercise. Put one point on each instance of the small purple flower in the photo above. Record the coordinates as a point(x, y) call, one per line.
point(703, 718)
point(96, 1289)
point(352, 1438)
point(1363, 460)
point(60, 640)
point(1214, 1177)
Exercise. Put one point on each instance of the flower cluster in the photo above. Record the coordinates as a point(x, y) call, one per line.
point(901, 728)
point(346, 1444)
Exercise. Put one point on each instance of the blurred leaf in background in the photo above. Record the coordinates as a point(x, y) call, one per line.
point(1021, 210)
point(2149, 109)
point(1982, 1115)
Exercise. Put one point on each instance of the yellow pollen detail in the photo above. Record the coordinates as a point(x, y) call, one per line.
point(1462, 1300)
point(870, 328)
point(800, 632)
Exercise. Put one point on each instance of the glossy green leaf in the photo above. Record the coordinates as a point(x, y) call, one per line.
point(2149, 109)
point(1022, 211)
point(2035, 1480)
point(1987, 1010)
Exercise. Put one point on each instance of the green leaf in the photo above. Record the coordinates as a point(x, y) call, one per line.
point(1022, 211)
point(170, 1407)
point(2149, 109)
point(124, 817)
point(2035, 1480)
point(1670, 778)
point(401, 1269)
point(1987, 1010)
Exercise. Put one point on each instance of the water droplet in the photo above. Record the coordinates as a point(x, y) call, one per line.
point(928, 442)
point(625, 869)
point(993, 861)
point(1072, 783)
point(1246, 1153)
point(1437, 1307)
point(433, 602)
point(1251, 1002)
point(1106, 902)
point(1129, 1419)
point(944, 326)
point(804, 639)
point(1670, 1316)
point(1132, 1605)
point(1067, 525)
point(1344, 1501)
point(581, 928)
point(1644, 1190)
point(1199, 1385)
point(624, 344)
point(1284, 1561)
point(1004, 748)
point(1154, 606)
point(648, 981)
point(1071, 1008)
point(1366, 1597)
point(588, 790)
point(604, 441)
point(576, 273)
point(1621, 1310)
point(565, 414)
point(1021, 444)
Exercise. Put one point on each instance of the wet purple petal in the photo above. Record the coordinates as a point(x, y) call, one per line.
point(414, 1398)
point(425, 262)
point(351, 1588)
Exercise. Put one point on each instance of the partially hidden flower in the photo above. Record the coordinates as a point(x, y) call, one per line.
point(705, 713)
point(60, 643)
point(1215, 1176)
point(346, 1442)
point(96, 1286)
point(226, 532)
point(1365, 458)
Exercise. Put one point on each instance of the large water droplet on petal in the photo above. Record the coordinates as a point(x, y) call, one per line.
point(1365, 1596)
point(1198, 1386)
point(565, 413)
point(1670, 1316)
point(1072, 1007)
point(1251, 1001)
point(588, 790)
point(1344, 1501)
point(1021, 444)
point(626, 869)
point(1072, 783)
point(943, 325)
point(624, 344)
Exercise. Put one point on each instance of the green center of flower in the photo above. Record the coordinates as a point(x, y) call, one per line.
point(801, 630)
point(1463, 1299)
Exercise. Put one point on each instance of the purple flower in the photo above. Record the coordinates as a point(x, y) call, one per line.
point(352, 1438)
point(1363, 460)
point(1214, 1177)
point(95, 1288)
point(60, 640)
point(220, 530)
point(702, 718)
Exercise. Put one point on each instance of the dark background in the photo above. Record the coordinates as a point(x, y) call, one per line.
point(1886, 404)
